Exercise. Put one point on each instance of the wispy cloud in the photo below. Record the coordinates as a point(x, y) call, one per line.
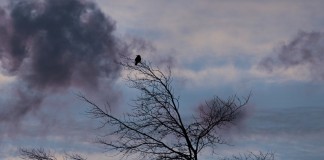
point(302, 58)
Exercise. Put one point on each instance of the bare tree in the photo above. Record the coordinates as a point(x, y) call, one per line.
point(36, 154)
point(253, 156)
point(41, 154)
point(73, 157)
point(156, 129)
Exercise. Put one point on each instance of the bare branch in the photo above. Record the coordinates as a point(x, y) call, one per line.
point(73, 157)
point(253, 156)
point(36, 154)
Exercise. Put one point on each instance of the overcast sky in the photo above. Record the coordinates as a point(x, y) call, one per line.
point(273, 49)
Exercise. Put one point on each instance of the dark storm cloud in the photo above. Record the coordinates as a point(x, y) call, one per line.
point(51, 45)
point(56, 42)
point(307, 49)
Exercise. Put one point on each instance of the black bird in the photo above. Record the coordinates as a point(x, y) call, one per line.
point(137, 59)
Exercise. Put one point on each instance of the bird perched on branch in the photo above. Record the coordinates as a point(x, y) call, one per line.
point(137, 59)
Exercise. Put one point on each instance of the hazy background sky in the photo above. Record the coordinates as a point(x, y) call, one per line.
point(216, 48)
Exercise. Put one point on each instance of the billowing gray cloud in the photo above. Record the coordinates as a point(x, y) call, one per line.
point(54, 43)
point(306, 49)
point(50, 46)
